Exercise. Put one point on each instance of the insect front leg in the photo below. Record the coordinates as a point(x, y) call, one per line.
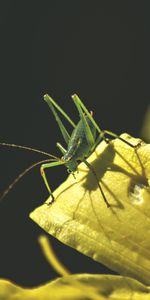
point(43, 174)
point(64, 151)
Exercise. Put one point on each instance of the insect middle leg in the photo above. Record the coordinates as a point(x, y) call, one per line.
point(43, 174)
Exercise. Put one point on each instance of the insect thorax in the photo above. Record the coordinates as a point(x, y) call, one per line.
point(72, 166)
point(78, 146)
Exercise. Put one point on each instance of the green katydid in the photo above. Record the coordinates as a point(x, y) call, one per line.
point(86, 135)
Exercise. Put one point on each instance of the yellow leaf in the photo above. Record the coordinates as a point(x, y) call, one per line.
point(119, 236)
point(78, 287)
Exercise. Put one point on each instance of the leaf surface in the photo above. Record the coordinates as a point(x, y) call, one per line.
point(78, 287)
point(119, 236)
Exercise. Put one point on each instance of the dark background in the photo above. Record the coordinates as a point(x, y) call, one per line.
point(98, 49)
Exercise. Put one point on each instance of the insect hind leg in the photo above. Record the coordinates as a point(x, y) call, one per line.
point(61, 148)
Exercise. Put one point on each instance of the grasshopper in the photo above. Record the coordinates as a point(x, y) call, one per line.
point(85, 136)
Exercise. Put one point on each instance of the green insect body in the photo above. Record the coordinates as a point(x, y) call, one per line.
point(78, 147)
point(86, 135)
point(80, 144)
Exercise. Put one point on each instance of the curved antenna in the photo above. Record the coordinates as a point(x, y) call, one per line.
point(30, 149)
point(5, 192)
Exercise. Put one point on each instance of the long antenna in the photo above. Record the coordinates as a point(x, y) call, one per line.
point(5, 192)
point(29, 148)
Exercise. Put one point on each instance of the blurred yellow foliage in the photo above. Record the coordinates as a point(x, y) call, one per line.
point(79, 287)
